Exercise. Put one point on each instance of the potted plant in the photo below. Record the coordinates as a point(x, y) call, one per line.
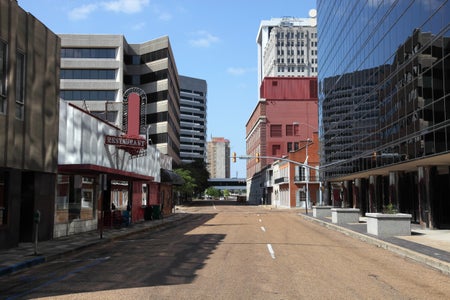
point(388, 223)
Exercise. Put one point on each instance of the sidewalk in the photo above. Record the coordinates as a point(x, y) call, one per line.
point(21, 257)
point(429, 247)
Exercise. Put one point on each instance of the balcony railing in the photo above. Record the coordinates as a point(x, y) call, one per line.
point(312, 178)
point(281, 180)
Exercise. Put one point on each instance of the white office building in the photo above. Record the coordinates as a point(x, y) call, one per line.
point(97, 69)
point(287, 47)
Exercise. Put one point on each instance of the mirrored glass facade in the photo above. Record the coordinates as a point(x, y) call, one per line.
point(384, 82)
point(384, 105)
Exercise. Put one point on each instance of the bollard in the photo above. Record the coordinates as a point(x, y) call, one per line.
point(37, 219)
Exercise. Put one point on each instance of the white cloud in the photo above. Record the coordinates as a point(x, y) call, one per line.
point(82, 12)
point(118, 6)
point(125, 6)
point(165, 16)
point(203, 39)
point(237, 71)
point(139, 26)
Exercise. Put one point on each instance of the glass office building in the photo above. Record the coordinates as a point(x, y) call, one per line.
point(384, 106)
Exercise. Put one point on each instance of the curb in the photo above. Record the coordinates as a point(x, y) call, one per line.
point(434, 263)
point(47, 258)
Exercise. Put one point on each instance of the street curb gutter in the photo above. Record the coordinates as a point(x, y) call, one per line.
point(47, 258)
point(434, 263)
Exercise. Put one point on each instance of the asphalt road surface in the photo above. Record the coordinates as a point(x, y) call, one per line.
point(227, 251)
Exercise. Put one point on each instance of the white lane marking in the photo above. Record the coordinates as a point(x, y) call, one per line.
point(263, 229)
point(272, 253)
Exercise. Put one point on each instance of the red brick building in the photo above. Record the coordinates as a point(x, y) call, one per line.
point(285, 116)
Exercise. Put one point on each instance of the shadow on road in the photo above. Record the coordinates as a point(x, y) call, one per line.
point(167, 256)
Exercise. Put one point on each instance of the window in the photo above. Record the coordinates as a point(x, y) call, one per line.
point(289, 146)
point(275, 130)
point(20, 85)
point(289, 130)
point(100, 95)
point(88, 74)
point(144, 194)
point(3, 52)
point(88, 53)
point(292, 146)
point(276, 150)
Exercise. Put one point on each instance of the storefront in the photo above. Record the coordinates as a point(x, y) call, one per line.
point(100, 183)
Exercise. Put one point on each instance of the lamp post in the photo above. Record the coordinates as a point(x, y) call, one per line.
point(307, 176)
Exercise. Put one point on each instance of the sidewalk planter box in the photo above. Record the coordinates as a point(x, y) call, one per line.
point(322, 211)
point(386, 225)
point(344, 215)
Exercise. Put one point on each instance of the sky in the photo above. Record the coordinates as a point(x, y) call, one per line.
point(211, 40)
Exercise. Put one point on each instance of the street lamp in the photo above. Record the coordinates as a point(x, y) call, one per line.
point(307, 169)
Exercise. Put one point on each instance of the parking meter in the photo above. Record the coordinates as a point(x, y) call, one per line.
point(37, 217)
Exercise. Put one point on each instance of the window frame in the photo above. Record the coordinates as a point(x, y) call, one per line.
point(20, 84)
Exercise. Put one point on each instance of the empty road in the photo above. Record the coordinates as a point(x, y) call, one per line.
point(225, 251)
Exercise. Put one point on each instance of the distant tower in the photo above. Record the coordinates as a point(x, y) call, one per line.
point(219, 157)
point(193, 98)
point(287, 47)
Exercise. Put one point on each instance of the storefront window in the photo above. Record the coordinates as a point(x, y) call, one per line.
point(75, 198)
point(144, 194)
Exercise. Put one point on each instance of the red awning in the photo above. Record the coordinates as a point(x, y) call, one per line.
point(94, 169)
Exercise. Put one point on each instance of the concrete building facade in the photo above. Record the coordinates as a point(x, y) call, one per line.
point(218, 158)
point(29, 121)
point(193, 123)
point(97, 69)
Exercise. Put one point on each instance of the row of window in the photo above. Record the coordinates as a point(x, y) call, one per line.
point(293, 44)
point(88, 53)
point(281, 69)
point(100, 95)
point(291, 35)
point(276, 130)
point(145, 58)
point(19, 81)
point(88, 74)
point(146, 78)
point(292, 52)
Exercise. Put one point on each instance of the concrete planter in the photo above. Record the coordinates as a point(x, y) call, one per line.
point(322, 211)
point(386, 225)
point(344, 215)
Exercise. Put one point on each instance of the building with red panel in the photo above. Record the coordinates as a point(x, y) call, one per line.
point(284, 118)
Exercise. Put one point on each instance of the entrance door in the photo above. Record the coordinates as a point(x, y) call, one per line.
point(26, 208)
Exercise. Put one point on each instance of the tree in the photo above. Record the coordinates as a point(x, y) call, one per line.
point(200, 173)
point(188, 188)
point(213, 192)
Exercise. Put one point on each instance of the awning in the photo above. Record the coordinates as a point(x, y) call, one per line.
point(169, 176)
point(95, 169)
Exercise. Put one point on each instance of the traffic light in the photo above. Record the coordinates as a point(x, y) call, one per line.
point(233, 158)
point(257, 157)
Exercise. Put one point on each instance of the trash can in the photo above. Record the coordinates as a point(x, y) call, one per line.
point(156, 212)
point(148, 213)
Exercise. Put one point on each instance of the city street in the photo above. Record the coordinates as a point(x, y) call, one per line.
point(228, 251)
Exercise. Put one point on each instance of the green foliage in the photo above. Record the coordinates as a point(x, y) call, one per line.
point(188, 188)
point(390, 209)
point(213, 192)
point(200, 174)
point(226, 193)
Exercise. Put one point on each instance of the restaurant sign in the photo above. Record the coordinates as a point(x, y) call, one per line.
point(125, 142)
